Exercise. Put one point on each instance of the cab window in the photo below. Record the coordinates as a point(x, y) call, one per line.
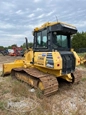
point(38, 39)
point(60, 41)
point(42, 39)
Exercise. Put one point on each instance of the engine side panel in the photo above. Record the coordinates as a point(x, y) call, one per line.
point(61, 61)
point(50, 60)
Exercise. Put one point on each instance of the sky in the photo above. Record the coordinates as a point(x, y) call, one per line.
point(18, 18)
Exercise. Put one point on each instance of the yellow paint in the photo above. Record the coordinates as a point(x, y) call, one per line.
point(25, 78)
point(40, 86)
point(23, 62)
point(31, 81)
point(57, 73)
point(7, 67)
point(67, 77)
point(51, 24)
point(77, 58)
point(41, 61)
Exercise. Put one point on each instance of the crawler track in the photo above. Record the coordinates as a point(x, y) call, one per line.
point(33, 76)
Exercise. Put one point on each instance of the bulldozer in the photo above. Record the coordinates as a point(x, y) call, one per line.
point(50, 58)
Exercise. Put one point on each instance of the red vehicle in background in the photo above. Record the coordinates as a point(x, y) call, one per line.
point(16, 51)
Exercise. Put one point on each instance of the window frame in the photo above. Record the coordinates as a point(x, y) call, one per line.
point(68, 48)
point(41, 37)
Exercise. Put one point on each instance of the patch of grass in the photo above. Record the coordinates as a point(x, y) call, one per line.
point(20, 89)
point(17, 99)
point(0, 73)
point(39, 93)
point(0, 86)
point(40, 111)
point(5, 92)
point(84, 79)
point(8, 78)
point(1, 105)
point(81, 54)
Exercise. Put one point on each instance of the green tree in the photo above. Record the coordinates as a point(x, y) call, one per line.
point(10, 47)
point(1, 48)
point(79, 40)
point(29, 45)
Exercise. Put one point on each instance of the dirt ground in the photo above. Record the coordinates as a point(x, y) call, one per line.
point(18, 98)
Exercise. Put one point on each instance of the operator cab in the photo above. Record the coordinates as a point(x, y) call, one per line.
point(53, 36)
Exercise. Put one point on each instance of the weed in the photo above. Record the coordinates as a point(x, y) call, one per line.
point(84, 79)
point(0, 86)
point(16, 99)
point(39, 93)
point(1, 105)
point(20, 89)
point(81, 54)
point(5, 92)
point(39, 111)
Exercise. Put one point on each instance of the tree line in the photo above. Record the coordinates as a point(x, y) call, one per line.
point(78, 41)
point(15, 45)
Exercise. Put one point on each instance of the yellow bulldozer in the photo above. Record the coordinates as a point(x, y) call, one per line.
point(50, 58)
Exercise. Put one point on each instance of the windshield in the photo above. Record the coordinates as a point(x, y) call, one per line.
point(59, 41)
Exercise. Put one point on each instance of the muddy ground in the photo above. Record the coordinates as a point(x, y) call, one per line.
point(18, 98)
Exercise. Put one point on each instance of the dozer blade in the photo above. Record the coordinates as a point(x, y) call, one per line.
point(45, 82)
point(7, 67)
